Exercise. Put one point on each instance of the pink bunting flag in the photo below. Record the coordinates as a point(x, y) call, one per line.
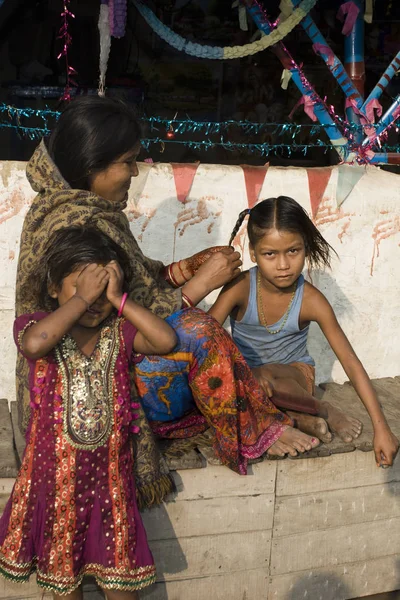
point(254, 179)
point(183, 176)
point(322, 49)
point(348, 12)
point(308, 107)
point(318, 179)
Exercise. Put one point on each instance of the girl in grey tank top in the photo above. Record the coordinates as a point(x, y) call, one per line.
point(270, 309)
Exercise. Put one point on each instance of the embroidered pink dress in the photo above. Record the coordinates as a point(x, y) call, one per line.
point(73, 507)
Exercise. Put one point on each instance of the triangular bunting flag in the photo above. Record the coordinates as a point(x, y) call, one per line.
point(254, 179)
point(138, 183)
point(183, 176)
point(348, 177)
point(318, 178)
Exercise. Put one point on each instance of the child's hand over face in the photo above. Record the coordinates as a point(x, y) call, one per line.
point(91, 283)
point(114, 288)
point(386, 446)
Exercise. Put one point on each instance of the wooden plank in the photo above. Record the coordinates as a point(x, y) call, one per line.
point(342, 545)
point(211, 516)
point(388, 391)
point(386, 596)
point(22, 591)
point(3, 501)
point(31, 591)
point(242, 585)
point(190, 460)
point(390, 385)
point(8, 462)
point(217, 482)
point(345, 398)
point(323, 510)
point(19, 440)
point(341, 471)
point(209, 455)
point(342, 582)
point(190, 558)
point(6, 485)
point(336, 446)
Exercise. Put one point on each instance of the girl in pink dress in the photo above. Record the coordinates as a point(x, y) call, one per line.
point(73, 508)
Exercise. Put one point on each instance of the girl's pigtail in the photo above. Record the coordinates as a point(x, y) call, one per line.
point(238, 224)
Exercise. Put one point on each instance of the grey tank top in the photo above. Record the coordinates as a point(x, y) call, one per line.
point(260, 347)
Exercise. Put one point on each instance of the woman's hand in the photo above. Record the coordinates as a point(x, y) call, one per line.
point(220, 268)
point(386, 446)
point(114, 289)
point(192, 264)
point(91, 283)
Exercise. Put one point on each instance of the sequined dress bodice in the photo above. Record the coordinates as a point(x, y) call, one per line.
point(87, 388)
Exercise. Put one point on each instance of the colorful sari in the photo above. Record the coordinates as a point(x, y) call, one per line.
point(205, 383)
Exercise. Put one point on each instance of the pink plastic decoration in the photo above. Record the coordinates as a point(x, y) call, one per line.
point(66, 38)
point(348, 13)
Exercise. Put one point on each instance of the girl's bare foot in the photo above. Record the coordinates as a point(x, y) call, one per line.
point(347, 428)
point(315, 426)
point(291, 442)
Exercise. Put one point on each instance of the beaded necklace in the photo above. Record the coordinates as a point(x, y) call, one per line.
point(263, 320)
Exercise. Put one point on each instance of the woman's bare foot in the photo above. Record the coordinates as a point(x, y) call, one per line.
point(291, 442)
point(315, 426)
point(347, 428)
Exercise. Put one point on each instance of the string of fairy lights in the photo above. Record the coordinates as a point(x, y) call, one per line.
point(162, 131)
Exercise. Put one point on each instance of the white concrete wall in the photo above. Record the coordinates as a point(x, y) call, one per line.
point(363, 285)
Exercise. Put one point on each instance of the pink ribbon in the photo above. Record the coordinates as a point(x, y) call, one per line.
point(351, 103)
point(348, 13)
point(396, 114)
point(308, 107)
point(322, 49)
point(372, 105)
point(368, 117)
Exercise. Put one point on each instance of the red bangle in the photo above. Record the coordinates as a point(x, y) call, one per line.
point(181, 272)
point(172, 277)
point(186, 301)
point(169, 276)
point(121, 306)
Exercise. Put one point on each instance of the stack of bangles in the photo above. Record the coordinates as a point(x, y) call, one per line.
point(171, 279)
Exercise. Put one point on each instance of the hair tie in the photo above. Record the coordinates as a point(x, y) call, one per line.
point(248, 211)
